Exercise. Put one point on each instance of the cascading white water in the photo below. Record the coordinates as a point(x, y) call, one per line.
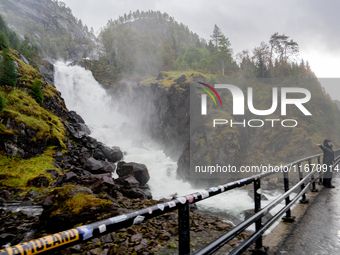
point(84, 95)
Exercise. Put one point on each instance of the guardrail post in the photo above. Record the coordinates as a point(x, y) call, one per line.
point(312, 177)
point(303, 200)
point(288, 217)
point(259, 248)
point(321, 177)
point(184, 230)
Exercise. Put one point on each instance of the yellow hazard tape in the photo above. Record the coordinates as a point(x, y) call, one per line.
point(43, 244)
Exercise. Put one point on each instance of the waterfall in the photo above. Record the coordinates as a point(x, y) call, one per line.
point(83, 94)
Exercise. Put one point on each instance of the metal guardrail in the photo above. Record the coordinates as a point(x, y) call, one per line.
point(77, 235)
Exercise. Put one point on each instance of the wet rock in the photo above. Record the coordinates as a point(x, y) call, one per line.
point(78, 130)
point(136, 238)
point(40, 181)
point(147, 192)
point(114, 154)
point(174, 231)
point(114, 236)
point(181, 79)
point(131, 182)
point(5, 194)
point(164, 235)
point(143, 245)
point(84, 149)
point(94, 166)
point(74, 117)
point(99, 251)
point(54, 174)
point(69, 176)
point(106, 239)
point(98, 154)
point(121, 250)
point(109, 167)
point(131, 231)
point(139, 171)
point(86, 207)
point(46, 202)
point(22, 58)
point(134, 193)
point(59, 156)
point(104, 184)
point(47, 69)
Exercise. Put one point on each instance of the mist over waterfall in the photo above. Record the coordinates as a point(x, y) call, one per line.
point(117, 127)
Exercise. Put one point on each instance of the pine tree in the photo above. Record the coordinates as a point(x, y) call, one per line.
point(224, 53)
point(217, 34)
point(36, 92)
point(8, 74)
point(4, 44)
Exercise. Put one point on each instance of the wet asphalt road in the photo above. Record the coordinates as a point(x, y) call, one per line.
point(318, 232)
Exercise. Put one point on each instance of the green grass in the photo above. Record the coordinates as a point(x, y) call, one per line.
point(77, 203)
point(173, 75)
point(22, 108)
point(17, 171)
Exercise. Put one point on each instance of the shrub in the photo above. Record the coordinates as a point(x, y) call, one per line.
point(36, 92)
point(8, 75)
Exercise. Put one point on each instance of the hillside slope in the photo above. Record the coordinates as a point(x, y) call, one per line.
point(50, 25)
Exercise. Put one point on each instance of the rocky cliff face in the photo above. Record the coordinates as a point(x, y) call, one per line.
point(49, 25)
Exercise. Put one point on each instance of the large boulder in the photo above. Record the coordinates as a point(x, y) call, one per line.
point(104, 184)
point(131, 182)
point(139, 171)
point(94, 166)
point(69, 205)
point(39, 181)
point(113, 154)
point(136, 193)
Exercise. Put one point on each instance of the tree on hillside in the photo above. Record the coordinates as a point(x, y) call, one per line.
point(8, 74)
point(37, 92)
point(3, 26)
point(282, 47)
point(211, 48)
point(217, 35)
point(4, 44)
point(262, 59)
point(224, 53)
point(107, 39)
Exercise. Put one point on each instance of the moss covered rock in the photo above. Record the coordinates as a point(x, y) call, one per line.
point(71, 205)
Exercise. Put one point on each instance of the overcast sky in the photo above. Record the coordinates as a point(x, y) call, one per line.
point(313, 24)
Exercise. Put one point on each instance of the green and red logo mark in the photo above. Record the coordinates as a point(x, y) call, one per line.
point(204, 97)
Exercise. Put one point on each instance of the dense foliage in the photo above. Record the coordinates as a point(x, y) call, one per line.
point(145, 43)
point(9, 39)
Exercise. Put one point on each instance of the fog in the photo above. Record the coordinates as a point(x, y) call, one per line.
point(313, 24)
